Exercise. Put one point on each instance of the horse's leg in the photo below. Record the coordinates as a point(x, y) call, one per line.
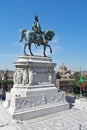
point(30, 49)
point(50, 48)
point(25, 48)
point(44, 50)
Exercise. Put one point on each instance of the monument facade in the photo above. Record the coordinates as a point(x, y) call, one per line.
point(34, 93)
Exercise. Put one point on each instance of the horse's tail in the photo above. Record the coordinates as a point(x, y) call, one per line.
point(22, 34)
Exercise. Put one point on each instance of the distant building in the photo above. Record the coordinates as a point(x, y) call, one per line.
point(62, 83)
point(62, 69)
point(63, 73)
point(6, 75)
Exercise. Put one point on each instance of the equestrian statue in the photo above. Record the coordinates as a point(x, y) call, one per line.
point(36, 36)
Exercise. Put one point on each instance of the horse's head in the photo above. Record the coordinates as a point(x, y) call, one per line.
point(22, 34)
point(49, 35)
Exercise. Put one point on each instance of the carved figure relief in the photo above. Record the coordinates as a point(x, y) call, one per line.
point(32, 77)
point(54, 77)
point(43, 99)
point(19, 77)
point(50, 77)
point(25, 77)
point(34, 101)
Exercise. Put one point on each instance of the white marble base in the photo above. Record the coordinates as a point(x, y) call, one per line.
point(34, 93)
point(37, 103)
point(40, 111)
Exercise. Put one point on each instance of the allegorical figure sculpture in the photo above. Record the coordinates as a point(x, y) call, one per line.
point(31, 77)
point(36, 36)
point(25, 77)
point(20, 77)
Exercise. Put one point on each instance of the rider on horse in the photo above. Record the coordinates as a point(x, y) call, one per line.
point(36, 27)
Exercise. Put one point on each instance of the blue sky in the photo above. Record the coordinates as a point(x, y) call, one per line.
point(67, 18)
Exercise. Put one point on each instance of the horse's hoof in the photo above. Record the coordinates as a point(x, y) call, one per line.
point(45, 56)
point(31, 54)
point(50, 51)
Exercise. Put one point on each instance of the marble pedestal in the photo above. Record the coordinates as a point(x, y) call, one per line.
point(34, 93)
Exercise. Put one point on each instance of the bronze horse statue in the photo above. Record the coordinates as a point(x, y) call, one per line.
point(32, 36)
